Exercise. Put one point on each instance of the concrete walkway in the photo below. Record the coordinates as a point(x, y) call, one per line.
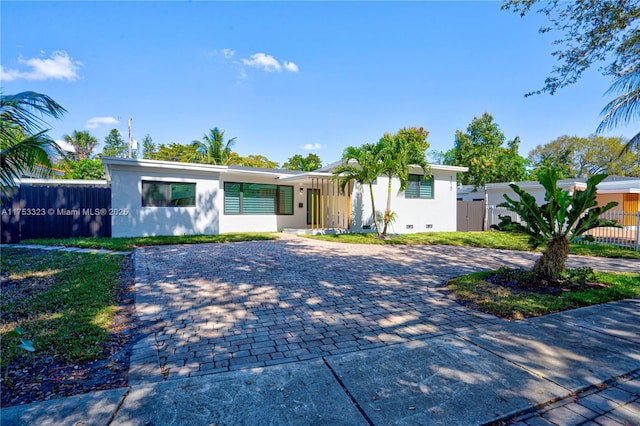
point(65, 249)
point(300, 331)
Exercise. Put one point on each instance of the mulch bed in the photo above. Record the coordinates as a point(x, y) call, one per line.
point(532, 285)
point(49, 378)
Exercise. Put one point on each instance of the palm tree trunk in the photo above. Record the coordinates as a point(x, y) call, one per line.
point(551, 263)
point(373, 208)
point(387, 212)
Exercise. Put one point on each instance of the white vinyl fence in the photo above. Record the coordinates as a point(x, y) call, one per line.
point(628, 236)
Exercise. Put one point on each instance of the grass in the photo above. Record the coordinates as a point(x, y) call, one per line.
point(474, 291)
point(490, 239)
point(128, 244)
point(64, 302)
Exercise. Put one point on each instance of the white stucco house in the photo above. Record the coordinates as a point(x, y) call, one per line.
point(151, 197)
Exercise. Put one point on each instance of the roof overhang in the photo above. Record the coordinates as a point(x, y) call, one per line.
point(111, 163)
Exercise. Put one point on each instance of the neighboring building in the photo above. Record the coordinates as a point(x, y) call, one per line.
point(625, 191)
point(494, 193)
point(168, 198)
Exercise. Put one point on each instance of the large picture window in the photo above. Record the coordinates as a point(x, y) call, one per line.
point(168, 194)
point(419, 187)
point(257, 198)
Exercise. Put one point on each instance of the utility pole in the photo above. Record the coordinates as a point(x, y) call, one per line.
point(130, 120)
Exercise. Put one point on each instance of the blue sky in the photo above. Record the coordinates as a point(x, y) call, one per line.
point(289, 78)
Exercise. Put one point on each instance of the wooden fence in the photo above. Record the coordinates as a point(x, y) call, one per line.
point(56, 211)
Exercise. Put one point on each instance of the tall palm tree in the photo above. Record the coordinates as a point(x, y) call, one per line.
point(24, 143)
point(362, 164)
point(399, 151)
point(624, 108)
point(213, 149)
point(83, 142)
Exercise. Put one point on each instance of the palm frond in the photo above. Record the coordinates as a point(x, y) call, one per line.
point(27, 110)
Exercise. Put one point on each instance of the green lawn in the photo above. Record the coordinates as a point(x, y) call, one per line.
point(473, 291)
point(63, 301)
point(127, 244)
point(490, 239)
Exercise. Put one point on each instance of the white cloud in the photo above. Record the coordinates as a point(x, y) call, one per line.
point(228, 53)
point(290, 66)
point(269, 64)
point(260, 60)
point(312, 146)
point(65, 146)
point(59, 66)
point(95, 122)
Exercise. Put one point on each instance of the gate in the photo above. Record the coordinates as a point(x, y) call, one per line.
point(470, 216)
point(56, 211)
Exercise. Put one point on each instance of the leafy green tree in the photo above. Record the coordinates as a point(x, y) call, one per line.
point(624, 108)
point(253, 160)
point(24, 142)
point(148, 148)
point(480, 149)
point(590, 32)
point(114, 145)
point(83, 143)
point(560, 221)
point(399, 151)
point(213, 149)
point(363, 165)
point(84, 169)
point(577, 157)
point(307, 164)
point(175, 152)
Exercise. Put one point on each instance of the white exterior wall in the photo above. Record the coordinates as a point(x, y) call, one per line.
point(424, 215)
point(126, 193)
point(495, 196)
point(262, 223)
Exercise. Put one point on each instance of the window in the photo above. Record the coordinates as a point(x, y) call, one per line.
point(257, 198)
point(419, 187)
point(168, 194)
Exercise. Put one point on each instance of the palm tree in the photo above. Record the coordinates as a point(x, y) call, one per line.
point(213, 149)
point(405, 148)
point(83, 142)
point(622, 109)
point(562, 220)
point(24, 143)
point(362, 164)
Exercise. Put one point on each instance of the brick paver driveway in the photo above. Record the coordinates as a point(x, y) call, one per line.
point(216, 307)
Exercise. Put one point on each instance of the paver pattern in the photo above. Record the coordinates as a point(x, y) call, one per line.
point(210, 308)
point(616, 403)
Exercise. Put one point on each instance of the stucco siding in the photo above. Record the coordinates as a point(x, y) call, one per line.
point(412, 214)
point(603, 199)
point(126, 196)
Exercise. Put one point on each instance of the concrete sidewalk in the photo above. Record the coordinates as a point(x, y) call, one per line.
point(586, 362)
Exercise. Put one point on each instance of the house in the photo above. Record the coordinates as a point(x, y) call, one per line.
point(151, 197)
point(624, 190)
